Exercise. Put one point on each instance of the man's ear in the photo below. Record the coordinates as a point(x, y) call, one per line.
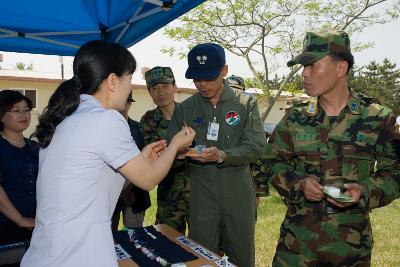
point(342, 68)
point(112, 81)
point(175, 88)
point(224, 71)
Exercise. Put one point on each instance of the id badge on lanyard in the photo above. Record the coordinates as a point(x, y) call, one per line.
point(212, 132)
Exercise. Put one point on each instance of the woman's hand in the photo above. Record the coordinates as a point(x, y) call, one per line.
point(183, 139)
point(152, 151)
point(26, 222)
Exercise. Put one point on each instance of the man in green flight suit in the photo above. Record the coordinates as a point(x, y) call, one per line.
point(227, 122)
point(338, 139)
point(173, 191)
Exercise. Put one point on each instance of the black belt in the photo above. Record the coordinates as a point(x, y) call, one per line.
point(329, 209)
point(325, 208)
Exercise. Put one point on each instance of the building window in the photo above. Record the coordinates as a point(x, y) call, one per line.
point(29, 93)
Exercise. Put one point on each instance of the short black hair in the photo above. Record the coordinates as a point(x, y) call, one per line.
point(346, 56)
point(7, 100)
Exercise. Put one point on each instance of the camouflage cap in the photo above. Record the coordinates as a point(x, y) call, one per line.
point(236, 82)
point(318, 45)
point(158, 75)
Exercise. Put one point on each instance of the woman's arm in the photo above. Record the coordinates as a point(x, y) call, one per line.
point(8, 209)
point(149, 167)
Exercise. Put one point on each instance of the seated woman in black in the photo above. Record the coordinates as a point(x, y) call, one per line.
point(18, 169)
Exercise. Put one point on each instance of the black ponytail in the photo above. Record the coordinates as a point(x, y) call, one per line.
point(93, 63)
point(63, 102)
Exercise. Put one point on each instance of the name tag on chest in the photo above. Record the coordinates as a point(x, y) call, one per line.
point(212, 132)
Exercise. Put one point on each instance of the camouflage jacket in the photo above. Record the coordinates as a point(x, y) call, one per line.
point(356, 146)
point(153, 126)
point(260, 176)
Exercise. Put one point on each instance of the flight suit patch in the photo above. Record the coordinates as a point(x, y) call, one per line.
point(198, 121)
point(232, 118)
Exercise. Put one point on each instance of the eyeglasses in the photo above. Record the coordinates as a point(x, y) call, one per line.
point(20, 111)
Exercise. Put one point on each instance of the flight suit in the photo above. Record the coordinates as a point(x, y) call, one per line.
point(222, 195)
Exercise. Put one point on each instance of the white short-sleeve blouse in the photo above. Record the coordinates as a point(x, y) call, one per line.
point(78, 187)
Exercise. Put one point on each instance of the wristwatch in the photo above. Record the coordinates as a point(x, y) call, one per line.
point(221, 156)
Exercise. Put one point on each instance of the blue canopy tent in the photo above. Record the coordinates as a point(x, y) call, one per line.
point(60, 27)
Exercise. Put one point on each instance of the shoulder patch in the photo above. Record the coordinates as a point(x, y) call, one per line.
point(370, 100)
point(367, 100)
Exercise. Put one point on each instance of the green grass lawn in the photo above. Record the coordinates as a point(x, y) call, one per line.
point(385, 226)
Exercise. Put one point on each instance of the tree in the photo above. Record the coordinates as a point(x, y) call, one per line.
point(22, 66)
point(381, 81)
point(266, 33)
point(294, 86)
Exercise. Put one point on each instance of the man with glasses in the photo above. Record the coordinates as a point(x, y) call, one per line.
point(228, 125)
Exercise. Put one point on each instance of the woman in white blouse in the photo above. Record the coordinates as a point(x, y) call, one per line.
point(86, 152)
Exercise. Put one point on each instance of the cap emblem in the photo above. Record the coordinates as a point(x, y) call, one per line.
point(202, 59)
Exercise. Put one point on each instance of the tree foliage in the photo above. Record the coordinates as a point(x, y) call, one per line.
point(266, 33)
point(294, 86)
point(22, 66)
point(381, 81)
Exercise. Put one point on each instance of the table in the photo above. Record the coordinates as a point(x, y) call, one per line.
point(172, 235)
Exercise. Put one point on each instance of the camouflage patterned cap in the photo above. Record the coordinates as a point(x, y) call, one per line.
point(158, 75)
point(318, 45)
point(236, 82)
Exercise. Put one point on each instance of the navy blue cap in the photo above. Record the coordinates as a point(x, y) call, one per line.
point(205, 62)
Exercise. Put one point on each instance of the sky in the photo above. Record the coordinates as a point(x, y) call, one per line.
point(147, 53)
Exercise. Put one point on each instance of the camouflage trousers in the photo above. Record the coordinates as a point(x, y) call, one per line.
point(173, 201)
point(314, 238)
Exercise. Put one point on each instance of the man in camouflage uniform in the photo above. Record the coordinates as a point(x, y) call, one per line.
point(173, 191)
point(334, 139)
point(227, 122)
point(258, 168)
